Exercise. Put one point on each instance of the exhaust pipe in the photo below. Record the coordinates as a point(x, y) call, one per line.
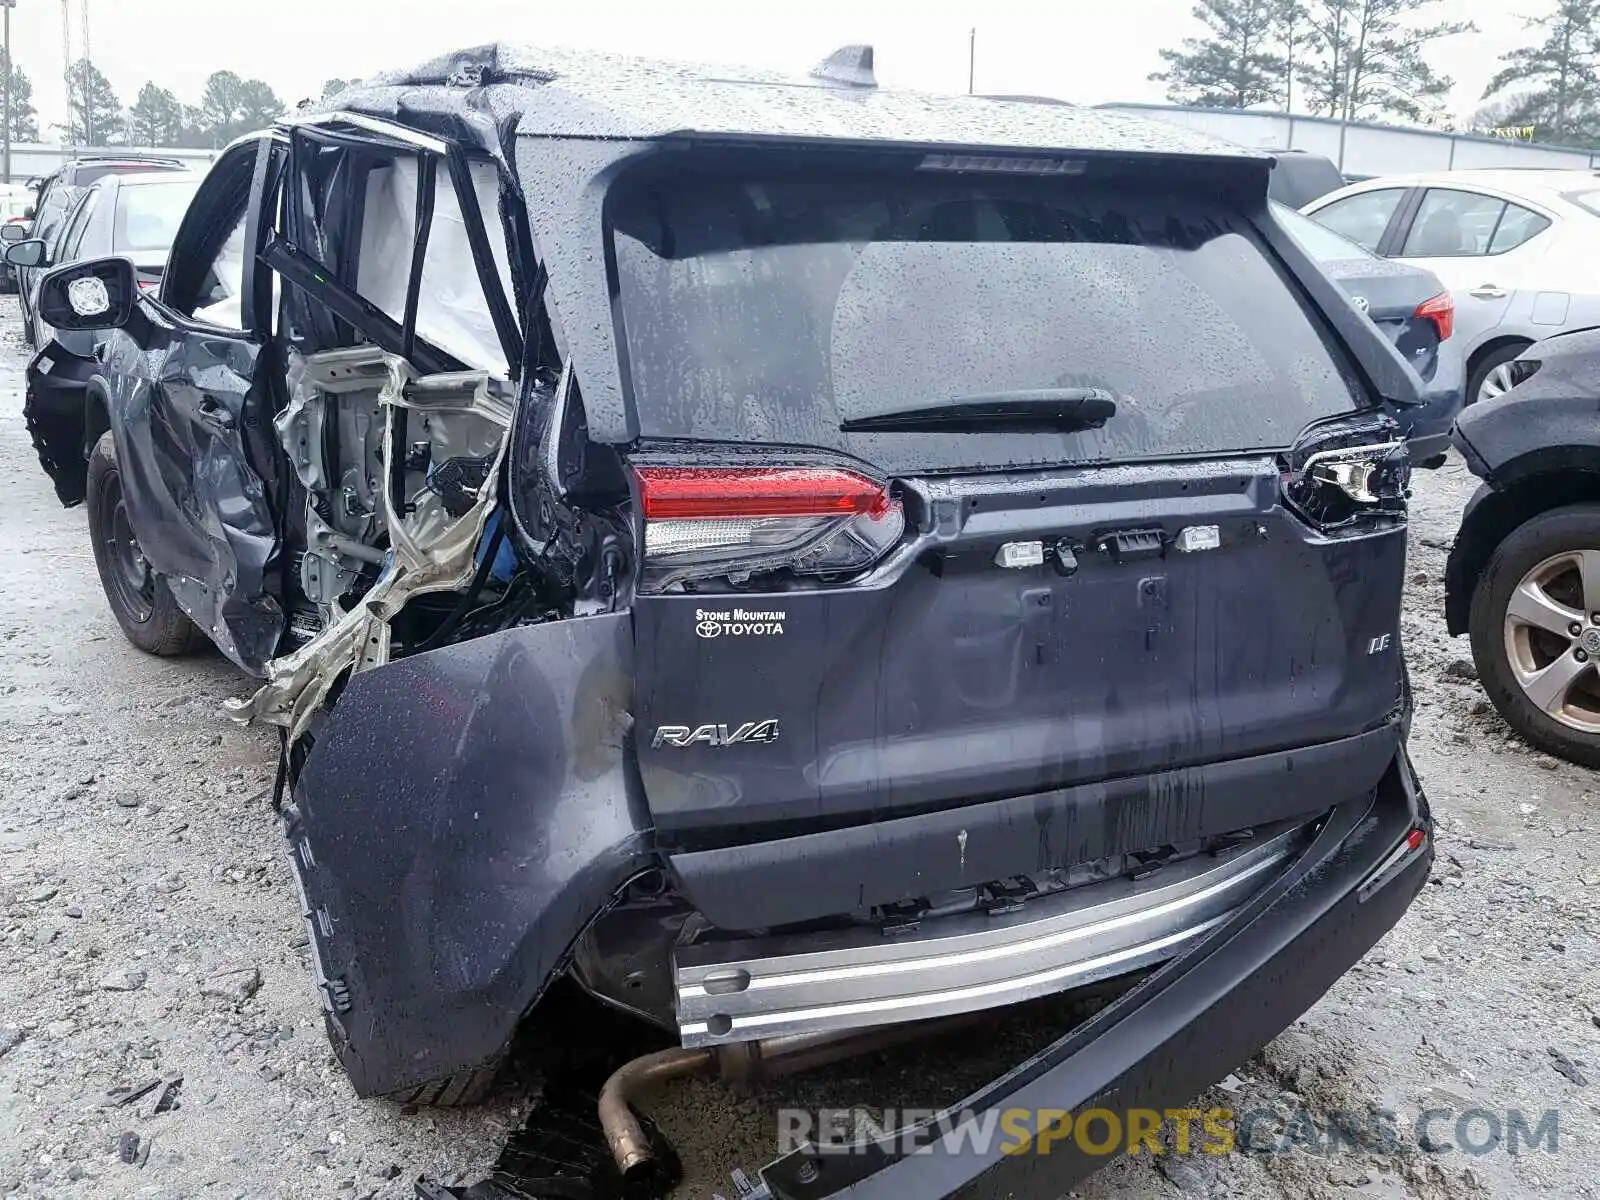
point(629, 1146)
point(738, 1063)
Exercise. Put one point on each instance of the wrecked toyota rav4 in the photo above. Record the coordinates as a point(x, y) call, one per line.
point(791, 557)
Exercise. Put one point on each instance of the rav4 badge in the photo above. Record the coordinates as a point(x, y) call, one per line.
point(716, 735)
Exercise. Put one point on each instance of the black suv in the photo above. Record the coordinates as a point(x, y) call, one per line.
point(791, 558)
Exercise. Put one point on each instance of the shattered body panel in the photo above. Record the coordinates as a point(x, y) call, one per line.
point(188, 414)
point(462, 815)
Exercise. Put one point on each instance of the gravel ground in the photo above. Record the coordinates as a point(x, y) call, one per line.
point(150, 932)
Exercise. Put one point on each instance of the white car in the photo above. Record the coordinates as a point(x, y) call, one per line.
point(1519, 251)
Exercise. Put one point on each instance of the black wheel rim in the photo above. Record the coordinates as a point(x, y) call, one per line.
point(127, 574)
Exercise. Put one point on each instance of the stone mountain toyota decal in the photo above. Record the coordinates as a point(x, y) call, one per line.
point(739, 622)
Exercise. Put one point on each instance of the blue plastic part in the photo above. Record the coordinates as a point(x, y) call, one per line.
point(505, 558)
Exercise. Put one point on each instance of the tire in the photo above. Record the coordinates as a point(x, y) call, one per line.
point(139, 599)
point(1497, 357)
point(461, 1090)
point(1543, 557)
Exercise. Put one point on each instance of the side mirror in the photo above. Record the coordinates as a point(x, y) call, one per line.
point(13, 231)
point(99, 293)
point(30, 252)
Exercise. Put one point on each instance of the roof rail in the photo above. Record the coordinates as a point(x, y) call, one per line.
point(108, 157)
point(848, 66)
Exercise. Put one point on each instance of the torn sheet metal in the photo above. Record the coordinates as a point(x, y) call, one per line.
point(196, 475)
point(431, 548)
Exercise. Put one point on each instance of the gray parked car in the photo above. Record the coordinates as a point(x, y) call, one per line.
point(1414, 311)
point(1518, 249)
point(48, 214)
point(132, 216)
point(135, 216)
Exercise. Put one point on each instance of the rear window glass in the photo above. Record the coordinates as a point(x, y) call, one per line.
point(148, 214)
point(1321, 243)
point(771, 310)
point(85, 175)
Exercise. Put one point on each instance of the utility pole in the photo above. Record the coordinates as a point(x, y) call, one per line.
point(5, 153)
point(972, 58)
point(66, 67)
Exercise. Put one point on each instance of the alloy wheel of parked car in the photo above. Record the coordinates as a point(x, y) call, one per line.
point(140, 601)
point(1496, 382)
point(1535, 626)
point(1492, 376)
point(1550, 638)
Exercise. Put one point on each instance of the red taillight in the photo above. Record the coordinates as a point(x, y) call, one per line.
point(1441, 310)
point(148, 285)
point(734, 522)
point(1415, 838)
point(697, 493)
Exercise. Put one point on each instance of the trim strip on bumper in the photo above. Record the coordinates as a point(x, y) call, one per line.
point(735, 991)
point(1172, 1036)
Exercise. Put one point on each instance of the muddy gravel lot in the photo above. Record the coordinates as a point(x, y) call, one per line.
point(149, 933)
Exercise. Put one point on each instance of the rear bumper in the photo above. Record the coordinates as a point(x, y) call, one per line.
point(1169, 1038)
point(57, 382)
point(821, 982)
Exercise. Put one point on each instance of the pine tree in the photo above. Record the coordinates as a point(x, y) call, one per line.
point(259, 106)
point(24, 117)
point(1563, 103)
point(1236, 65)
point(156, 118)
point(1368, 59)
point(1291, 31)
point(221, 107)
point(95, 113)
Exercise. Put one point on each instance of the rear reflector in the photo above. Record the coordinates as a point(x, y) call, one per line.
point(1441, 310)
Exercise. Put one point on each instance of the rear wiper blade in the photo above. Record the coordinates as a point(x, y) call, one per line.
point(1068, 409)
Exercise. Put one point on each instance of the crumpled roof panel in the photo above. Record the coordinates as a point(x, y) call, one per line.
point(588, 94)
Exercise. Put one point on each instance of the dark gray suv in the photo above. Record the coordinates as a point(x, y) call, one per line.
point(791, 558)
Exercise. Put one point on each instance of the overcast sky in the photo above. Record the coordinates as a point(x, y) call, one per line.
point(1079, 50)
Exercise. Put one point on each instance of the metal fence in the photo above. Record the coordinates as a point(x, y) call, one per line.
point(1361, 148)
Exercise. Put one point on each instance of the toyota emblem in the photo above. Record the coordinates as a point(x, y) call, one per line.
point(708, 629)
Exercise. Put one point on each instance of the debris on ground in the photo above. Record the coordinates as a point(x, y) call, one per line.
point(123, 981)
point(236, 984)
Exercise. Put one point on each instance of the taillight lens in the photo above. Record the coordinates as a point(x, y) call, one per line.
point(734, 522)
point(1348, 474)
point(1441, 310)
